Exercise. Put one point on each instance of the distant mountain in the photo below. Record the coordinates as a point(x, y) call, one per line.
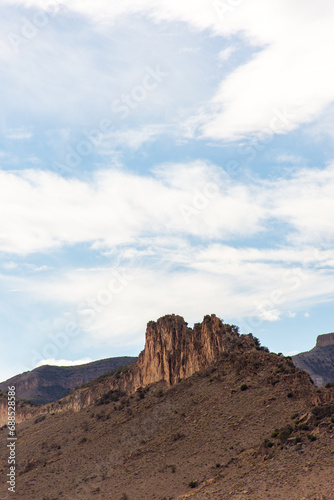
point(50, 383)
point(205, 413)
point(319, 361)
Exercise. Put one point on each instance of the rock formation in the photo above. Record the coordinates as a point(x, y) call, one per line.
point(325, 340)
point(173, 351)
point(319, 361)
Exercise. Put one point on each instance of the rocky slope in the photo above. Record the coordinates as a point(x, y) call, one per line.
point(319, 361)
point(173, 351)
point(50, 383)
point(249, 426)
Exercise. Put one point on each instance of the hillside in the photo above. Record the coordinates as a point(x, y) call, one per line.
point(319, 361)
point(50, 383)
point(246, 424)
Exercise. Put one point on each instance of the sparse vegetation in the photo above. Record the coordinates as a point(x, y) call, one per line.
point(284, 434)
point(40, 418)
point(323, 411)
point(110, 396)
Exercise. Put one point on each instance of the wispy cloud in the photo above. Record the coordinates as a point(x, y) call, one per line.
point(19, 134)
point(63, 362)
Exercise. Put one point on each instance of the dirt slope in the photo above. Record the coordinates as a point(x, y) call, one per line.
point(203, 438)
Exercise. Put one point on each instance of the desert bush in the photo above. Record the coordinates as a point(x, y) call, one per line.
point(244, 387)
point(284, 434)
point(108, 397)
point(193, 484)
point(40, 418)
point(303, 427)
point(323, 411)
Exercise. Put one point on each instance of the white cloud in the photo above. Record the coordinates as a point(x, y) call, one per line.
point(63, 362)
point(131, 138)
point(41, 210)
point(305, 202)
point(288, 82)
point(109, 303)
point(10, 265)
point(225, 54)
point(290, 159)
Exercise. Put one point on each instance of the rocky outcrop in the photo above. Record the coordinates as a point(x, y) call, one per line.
point(325, 340)
point(24, 411)
point(319, 361)
point(173, 351)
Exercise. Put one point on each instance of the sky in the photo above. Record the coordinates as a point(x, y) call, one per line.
point(163, 157)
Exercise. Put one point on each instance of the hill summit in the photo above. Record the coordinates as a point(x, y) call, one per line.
point(319, 361)
point(204, 413)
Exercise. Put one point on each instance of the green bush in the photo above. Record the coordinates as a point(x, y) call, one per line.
point(193, 484)
point(244, 387)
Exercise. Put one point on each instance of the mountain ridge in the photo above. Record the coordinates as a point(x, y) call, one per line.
point(246, 423)
point(49, 383)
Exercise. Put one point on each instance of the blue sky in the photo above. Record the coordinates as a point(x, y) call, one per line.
point(163, 157)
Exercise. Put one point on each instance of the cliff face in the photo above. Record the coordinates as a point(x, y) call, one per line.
point(173, 351)
point(319, 361)
point(325, 340)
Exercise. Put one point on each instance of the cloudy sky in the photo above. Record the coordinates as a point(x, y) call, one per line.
point(158, 157)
